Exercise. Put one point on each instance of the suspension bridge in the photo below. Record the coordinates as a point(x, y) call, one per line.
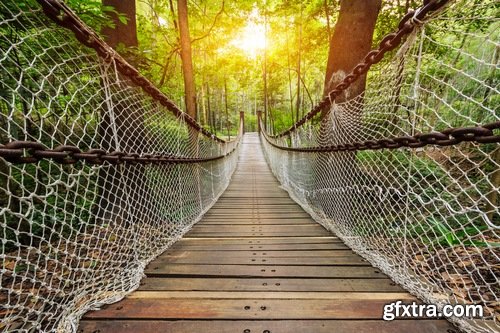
point(120, 213)
point(257, 262)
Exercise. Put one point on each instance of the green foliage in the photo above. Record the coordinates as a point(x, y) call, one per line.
point(434, 232)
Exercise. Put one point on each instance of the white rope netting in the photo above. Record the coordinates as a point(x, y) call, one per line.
point(428, 217)
point(79, 235)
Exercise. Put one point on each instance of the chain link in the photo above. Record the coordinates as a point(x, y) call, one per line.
point(388, 43)
point(448, 137)
point(22, 152)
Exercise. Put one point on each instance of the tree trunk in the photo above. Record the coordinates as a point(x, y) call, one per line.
point(186, 57)
point(126, 119)
point(299, 59)
point(289, 76)
point(327, 14)
point(265, 73)
point(227, 109)
point(121, 128)
point(210, 113)
point(189, 93)
point(172, 53)
point(125, 34)
point(203, 103)
point(172, 13)
point(350, 42)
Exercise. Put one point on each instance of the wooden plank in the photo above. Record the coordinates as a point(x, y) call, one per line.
point(263, 228)
point(221, 260)
point(236, 204)
point(257, 208)
point(272, 230)
point(267, 247)
point(237, 217)
point(157, 308)
point(260, 254)
point(259, 240)
point(252, 295)
point(268, 230)
point(229, 231)
point(267, 326)
point(255, 184)
point(253, 213)
point(245, 231)
point(244, 211)
point(263, 195)
point(235, 201)
point(304, 220)
point(266, 215)
point(246, 204)
point(159, 269)
point(269, 284)
point(252, 221)
point(243, 176)
point(250, 211)
point(256, 191)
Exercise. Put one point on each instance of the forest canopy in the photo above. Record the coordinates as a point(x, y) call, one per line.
point(236, 46)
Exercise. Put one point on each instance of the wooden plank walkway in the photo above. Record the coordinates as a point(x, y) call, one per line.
point(258, 263)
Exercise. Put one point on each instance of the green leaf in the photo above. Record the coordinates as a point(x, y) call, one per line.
point(123, 19)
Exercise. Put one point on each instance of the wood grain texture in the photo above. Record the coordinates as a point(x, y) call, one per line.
point(162, 269)
point(269, 284)
point(184, 308)
point(258, 253)
point(271, 326)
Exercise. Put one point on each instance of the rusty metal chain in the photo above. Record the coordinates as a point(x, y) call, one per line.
point(22, 152)
point(447, 137)
point(63, 16)
point(388, 43)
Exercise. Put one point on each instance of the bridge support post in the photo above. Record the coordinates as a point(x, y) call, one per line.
point(242, 121)
point(259, 119)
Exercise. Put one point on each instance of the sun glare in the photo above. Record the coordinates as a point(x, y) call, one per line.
point(252, 39)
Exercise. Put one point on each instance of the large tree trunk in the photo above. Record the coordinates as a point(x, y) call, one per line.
point(350, 42)
point(210, 112)
point(189, 94)
point(203, 118)
point(127, 120)
point(186, 57)
point(289, 76)
point(121, 128)
point(266, 116)
point(125, 34)
point(226, 107)
point(299, 59)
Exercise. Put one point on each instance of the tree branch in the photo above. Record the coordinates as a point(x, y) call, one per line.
point(219, 13)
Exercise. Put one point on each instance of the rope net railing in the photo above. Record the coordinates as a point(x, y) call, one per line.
point(99, 173)
point(408, 172)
